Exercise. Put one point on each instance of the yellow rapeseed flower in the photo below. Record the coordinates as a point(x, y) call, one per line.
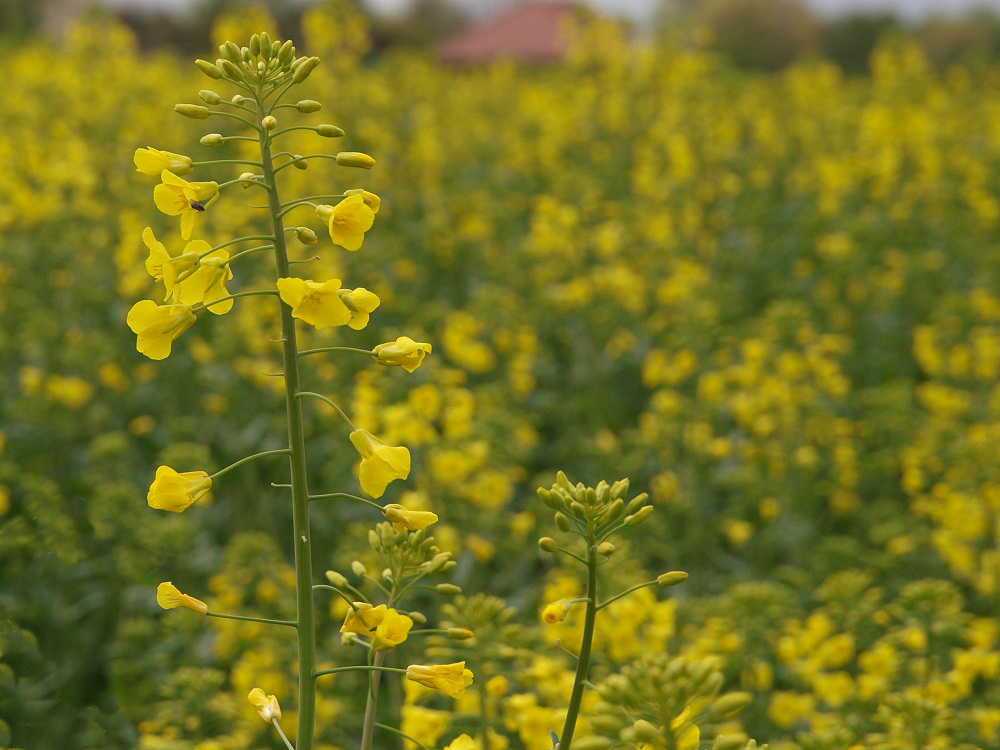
point(316, 303)
point(169, 596)
point(403, 352)
point(266, 705)
point(450, 679)
point(361, 303)
point(178, 197)
point(371, 200)
point(157, 326)
point(392, 631)
point(462, 742)
point(362, 618)
point(196, 276)
point(380, 463)
point(348, 221)
point(556, 611)
point(403, 518)
point(175, 491)
point(152, 161)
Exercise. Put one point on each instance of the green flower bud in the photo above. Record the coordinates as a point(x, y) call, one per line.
point(438, 562)
point(562, 481)
point(255, 45)
point(285, 52)
point(231, 52)
point(578, 509)
point(635, 503)
point(628, 735)
point(418, 617)
point(450, 565)
point(304, 68)
point(639, 516)
point(605, 724)
point(275, 48)
point(299, 163)
point(614, 510)
point(359, 569)
point(645, 731)
point(562, 522)
point(730, 704)
point(306, 235)
point(212, 71)
point(194, 111)
point(459, 634)
point(269, 123)
point(386, 535)
point(730, 742)
point(590, 496)
point(606, 549)
point(549, 498)
point(448, 589)
point(329, 131)
point(355, 159)
point(336, 579)
point(265, 45)
point(603, 492)
point(238, 99)
point(547, 544)
point(672, 578)
point(619, 488)
point(212, 139)
point(592, 743)
point(247, 179)
point(245, 54)
point(231, 70)
point(308, 105)
point(209, 97)
point(387, 576)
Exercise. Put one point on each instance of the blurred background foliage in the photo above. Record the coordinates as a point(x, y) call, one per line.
point(769, 298)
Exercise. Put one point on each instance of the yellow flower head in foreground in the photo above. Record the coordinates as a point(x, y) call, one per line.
point(556, 611)
point(175, 491)
point(266, 705)
point(315, 303)
point(403, 352)
point(169, 597)
point(371, 200)
point(403, 518)
point(158, 325)
point(362, 618)
point(152, 161)
point(348, 221)
point(462, 742)
point(450, 679)
point(178, 197)
point(380, 463)
point(361, 303)
point(391, 631)
point(196, 276)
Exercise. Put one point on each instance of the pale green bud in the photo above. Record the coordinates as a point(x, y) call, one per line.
point(730, 742)
point(628, 735)
point(549, 498)
point(459, 634)
point(562, 481)
point(437, 563)
point(448, 566)
point(639, 516)
point(212, 139)
point(245, 54)
point(730, 704)
point(231, 52)
point(619, 488)
point(336, 579)
point(645, 731)
point(448, 589)
point(605, 724)
point(562, 522)
point(212, 71)
point(590, 496)
point(592, 743)
point(255, 45)
point(387, 535)
point(387, 576)
point(231, 70)
point(308, 105)
point(306, 235)
point(359, 569)
point(603, 492)
point(303, 69)
point(285, 52)
point(605, 549)
point(238, 99)
point(269, 123)
point(635, 503)
point(265, 45)
point(299, 163)
point(672, 578)
point(275, 48)
point(418, 617)
point(355, 159)
point(329, 131)
point(578, 509)
point(614, 510)
point(194, 111)
point(547, 544)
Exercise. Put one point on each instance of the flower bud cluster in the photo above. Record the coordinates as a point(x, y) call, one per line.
point(263, 60)
point(409, 553)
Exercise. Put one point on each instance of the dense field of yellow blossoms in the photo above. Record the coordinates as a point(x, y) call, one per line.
point(772, 301)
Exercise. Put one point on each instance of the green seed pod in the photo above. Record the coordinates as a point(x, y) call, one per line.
point(448, 589)
point(730, 704)
point(336, 579)
point(231, 70)
point(355, 159)
point(730, 742)
point(547, 544)
point(299, 163)
point(639, 516)
point(645, 731)
point(194, 111)
point(212, 139)
point(303, 70)
point(212, 71)
point(255, 45)
point(359, 569)
point(285, 52)
point(209, 97)
point(265, 45)
point(329, 131)
point(459, 634)
point(672, 578)
point(308, 105)
point(562, 522)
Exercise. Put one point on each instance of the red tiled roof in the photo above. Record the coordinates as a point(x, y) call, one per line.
point(529, 31)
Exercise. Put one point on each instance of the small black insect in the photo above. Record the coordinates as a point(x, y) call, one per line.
point(197, 205)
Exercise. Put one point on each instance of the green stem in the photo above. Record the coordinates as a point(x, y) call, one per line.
point(347, 496)
point(289, 129)
point(253, 293)
point(249, 238)
point(337, 349)
point(289, 623)
point(583, 664)
point(221, 472)
point(340, 593)
point(327, 401)
point(282, 735)
point(415, 741)
point(368, 728)
point(303, 158)
point(305, 612)
point(360, 668)
point(247, 252)
point(616, 597)
point(225, 161)
point(236, 117)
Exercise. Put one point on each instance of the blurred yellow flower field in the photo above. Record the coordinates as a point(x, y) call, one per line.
point(770, 300)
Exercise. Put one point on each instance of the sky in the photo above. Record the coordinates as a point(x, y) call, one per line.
point(643, 9)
